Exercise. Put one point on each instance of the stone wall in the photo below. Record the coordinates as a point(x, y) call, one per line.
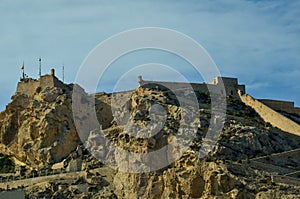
point(230, 84)
point(271, 116)
point(173, 85)
point(225, 80)
point(297, 110)
point(29, 86)
point(242, 88)
point(32, 181)
point(279, 105)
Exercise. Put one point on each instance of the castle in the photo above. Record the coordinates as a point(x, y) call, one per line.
point(269, 110)
point(230, 84)
point(29, 86)
point(279, 105)
point(232, 88)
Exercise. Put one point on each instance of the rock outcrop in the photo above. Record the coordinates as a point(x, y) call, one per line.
point(230, 171)
point(39, 130)
point(251, 158)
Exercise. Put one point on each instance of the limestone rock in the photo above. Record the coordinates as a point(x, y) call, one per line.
point(39, 129)
point(251, 159)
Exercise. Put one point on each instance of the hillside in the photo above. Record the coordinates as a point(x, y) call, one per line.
point(251, 159)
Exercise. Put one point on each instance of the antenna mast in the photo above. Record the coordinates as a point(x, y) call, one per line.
point(63, 72)
point(40, 67)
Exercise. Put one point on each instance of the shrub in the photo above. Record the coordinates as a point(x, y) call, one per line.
point(6, 164)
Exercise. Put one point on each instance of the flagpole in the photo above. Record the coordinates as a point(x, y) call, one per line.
point(40, 66)
point(63, 72)
point(23, 73)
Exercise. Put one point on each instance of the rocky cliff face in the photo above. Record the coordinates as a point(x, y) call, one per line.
point(39, 130)
point(251, 159)
point(232, 170)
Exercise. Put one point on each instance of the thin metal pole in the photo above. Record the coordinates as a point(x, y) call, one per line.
point(40, 66)
point(63, 72)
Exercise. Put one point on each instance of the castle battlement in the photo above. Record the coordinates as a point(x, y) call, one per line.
point(280, 105)
point(29, 86)
point(232, 88)
point(230, 84)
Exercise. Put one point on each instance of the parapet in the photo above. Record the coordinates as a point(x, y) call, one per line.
point(28, 86)
point(231, 85)
point(225, 80)
point(280, 105)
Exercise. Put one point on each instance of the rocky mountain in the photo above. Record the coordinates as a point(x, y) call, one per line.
point(251, 158)
point(232, 170)
point(38, 129)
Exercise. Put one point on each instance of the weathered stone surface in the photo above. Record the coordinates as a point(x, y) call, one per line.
point(39, 129)
point(248, 160)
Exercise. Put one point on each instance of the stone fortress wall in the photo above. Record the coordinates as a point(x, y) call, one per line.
point(230, 84)
point(267, 109)
point(29, 86)
point(271, 116)
point(279, 105)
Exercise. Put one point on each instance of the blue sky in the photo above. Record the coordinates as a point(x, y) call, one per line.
point(256, 41)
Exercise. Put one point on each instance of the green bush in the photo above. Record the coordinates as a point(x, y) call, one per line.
point(6, 164)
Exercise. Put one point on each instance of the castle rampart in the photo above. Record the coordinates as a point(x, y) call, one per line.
point(279, 105)
point(271, 116)
point(29, 86)
point(230, 84)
